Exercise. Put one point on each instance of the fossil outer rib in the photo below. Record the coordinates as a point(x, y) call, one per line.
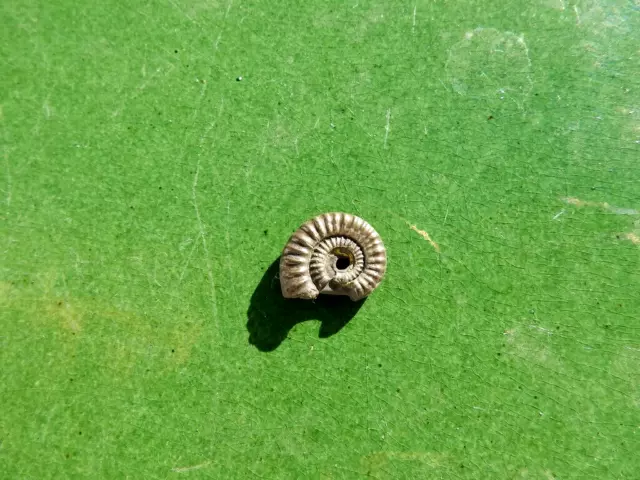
point(333, 253)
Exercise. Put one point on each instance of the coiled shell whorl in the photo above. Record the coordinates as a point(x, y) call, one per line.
point(333, 253)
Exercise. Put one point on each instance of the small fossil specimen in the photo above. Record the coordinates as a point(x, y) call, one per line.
point(333, 253)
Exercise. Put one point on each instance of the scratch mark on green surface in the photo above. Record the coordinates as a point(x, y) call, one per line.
point(387, 127)
point(378, 461)
point(186, 15)
point(196, 207)
point(604, 205)
point(202, 29)
point(541, 329)
point(413, 27)
point(528, 347)
point(503, 54)
point(190, 468)
point(46, 108)
point(447, 89)
point(155, 271)
point(186, 263)
point(633, 238)
point(141, 87)
point(8, 175)
point(426, 236)
point(203, 237)
point(561, 5)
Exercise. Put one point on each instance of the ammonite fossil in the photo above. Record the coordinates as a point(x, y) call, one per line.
point(334, 253)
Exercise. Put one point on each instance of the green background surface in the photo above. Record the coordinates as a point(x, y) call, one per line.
point(146, 192)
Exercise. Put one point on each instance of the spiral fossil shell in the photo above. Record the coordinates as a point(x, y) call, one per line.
point(333, 253)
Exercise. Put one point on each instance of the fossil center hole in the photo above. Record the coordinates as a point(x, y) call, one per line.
point(342, 263)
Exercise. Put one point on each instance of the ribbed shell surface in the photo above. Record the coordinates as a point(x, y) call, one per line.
point(307, 264)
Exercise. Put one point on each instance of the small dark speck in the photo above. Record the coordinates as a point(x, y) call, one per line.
point(239, 79)
point(59, 303)
point(397, 390)
point(618, 237)
point(71, 379)
point(593, 188)
point(159, 188)
point(175, 51)
point(266, 232)
point(490, 117)
point(79, 433)
point(380, 365)
point(499, 354)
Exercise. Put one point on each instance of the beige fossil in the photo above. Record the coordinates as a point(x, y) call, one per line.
point(334, 253)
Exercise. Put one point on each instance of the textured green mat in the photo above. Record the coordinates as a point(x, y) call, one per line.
point(146, 191)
